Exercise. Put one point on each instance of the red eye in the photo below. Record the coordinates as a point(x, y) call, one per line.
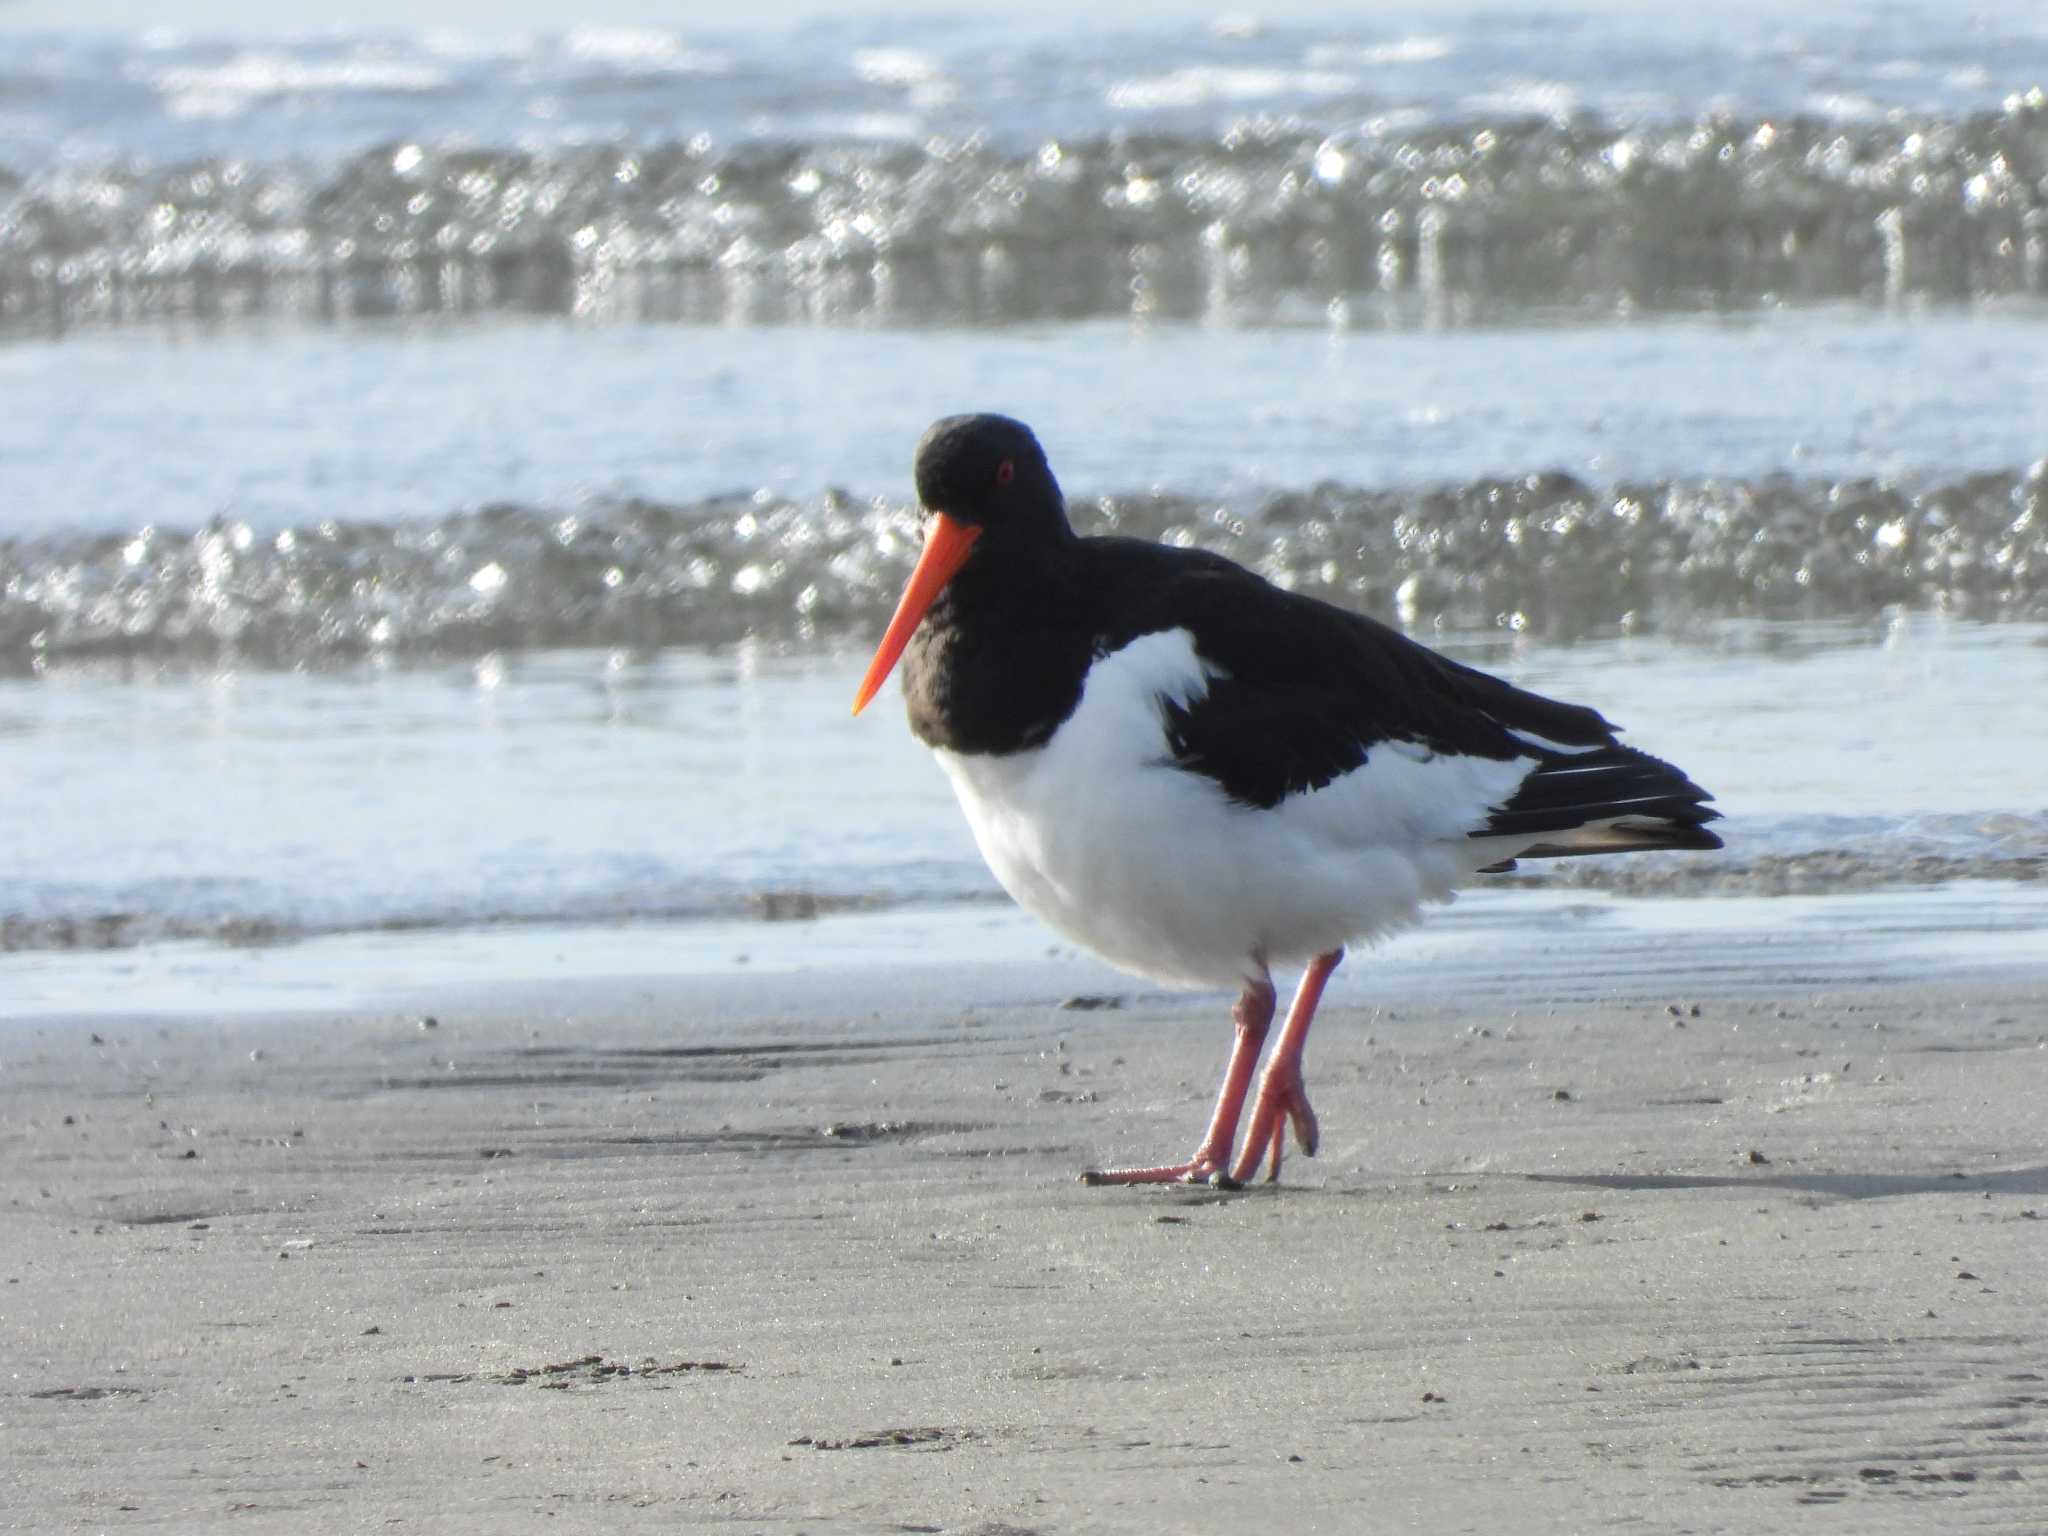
point(1006, 472)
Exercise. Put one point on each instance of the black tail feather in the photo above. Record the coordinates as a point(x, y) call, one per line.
point(1639, 802)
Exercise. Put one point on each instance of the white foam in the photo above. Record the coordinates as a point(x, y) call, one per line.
point(229, 89)
point(1406, 50)
point(1199, 85)
point(1528, 97)
point(642, 49)
point(1844, 107)
point(895, 66)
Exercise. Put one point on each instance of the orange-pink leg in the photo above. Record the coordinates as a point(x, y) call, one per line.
point(1282, 1097)
point(1254, 1016)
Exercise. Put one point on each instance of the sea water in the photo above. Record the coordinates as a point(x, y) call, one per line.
point(450, 481)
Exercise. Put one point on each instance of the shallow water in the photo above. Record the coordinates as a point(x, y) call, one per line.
point(586, 787)
point(380, 426)
point(450, 481)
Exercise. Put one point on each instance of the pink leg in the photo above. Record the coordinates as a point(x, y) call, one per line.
point(1254, 1015)
point(1282, 1097)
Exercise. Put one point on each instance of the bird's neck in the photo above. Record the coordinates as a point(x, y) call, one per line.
point(999, 660)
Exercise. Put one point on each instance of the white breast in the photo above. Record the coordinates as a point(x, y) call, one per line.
point(1154, 868)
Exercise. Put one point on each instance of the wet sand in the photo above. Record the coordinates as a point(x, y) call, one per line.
point(807, 1254)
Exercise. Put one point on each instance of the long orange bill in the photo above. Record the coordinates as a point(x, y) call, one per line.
point(945, 550)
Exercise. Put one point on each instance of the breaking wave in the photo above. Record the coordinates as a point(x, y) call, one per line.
point(1388, 222)
point(1547, 554)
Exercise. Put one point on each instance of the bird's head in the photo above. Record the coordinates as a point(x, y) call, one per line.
point(985, 472)
point(984, 482)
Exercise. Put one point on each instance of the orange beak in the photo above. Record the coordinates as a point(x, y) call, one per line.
point(946, 545)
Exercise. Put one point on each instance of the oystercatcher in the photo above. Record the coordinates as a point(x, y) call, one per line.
point(1200, 776)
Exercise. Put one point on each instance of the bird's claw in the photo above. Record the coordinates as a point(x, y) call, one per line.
point(1306, 1129)
point(1279, 1106)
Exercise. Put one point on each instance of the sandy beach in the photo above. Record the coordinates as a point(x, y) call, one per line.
point(1726, 1253)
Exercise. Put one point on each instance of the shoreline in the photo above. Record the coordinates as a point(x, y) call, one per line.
point(806, 1252)
point(1493, 941)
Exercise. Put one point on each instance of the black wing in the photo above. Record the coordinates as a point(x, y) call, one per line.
point(1306, 691)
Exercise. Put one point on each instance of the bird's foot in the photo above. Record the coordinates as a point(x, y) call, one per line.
point(1202, 1169)
point(1281, 1102)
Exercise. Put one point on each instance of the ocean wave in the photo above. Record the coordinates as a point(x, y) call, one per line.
point(1546, 554)
point(1392, 221)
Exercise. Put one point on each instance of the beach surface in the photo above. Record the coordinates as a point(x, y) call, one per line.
point(1663, 1248)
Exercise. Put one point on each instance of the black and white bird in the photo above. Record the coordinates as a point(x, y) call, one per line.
point(1201, 776)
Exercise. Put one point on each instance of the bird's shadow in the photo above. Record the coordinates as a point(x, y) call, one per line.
point(1839, 1186)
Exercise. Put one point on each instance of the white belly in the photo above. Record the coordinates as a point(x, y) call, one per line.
point(1155, 869)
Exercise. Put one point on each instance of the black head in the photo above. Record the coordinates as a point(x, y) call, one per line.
point(988, 472)
point(997, 529)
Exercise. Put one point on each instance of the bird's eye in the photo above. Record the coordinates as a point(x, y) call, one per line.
point(1006, 472)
